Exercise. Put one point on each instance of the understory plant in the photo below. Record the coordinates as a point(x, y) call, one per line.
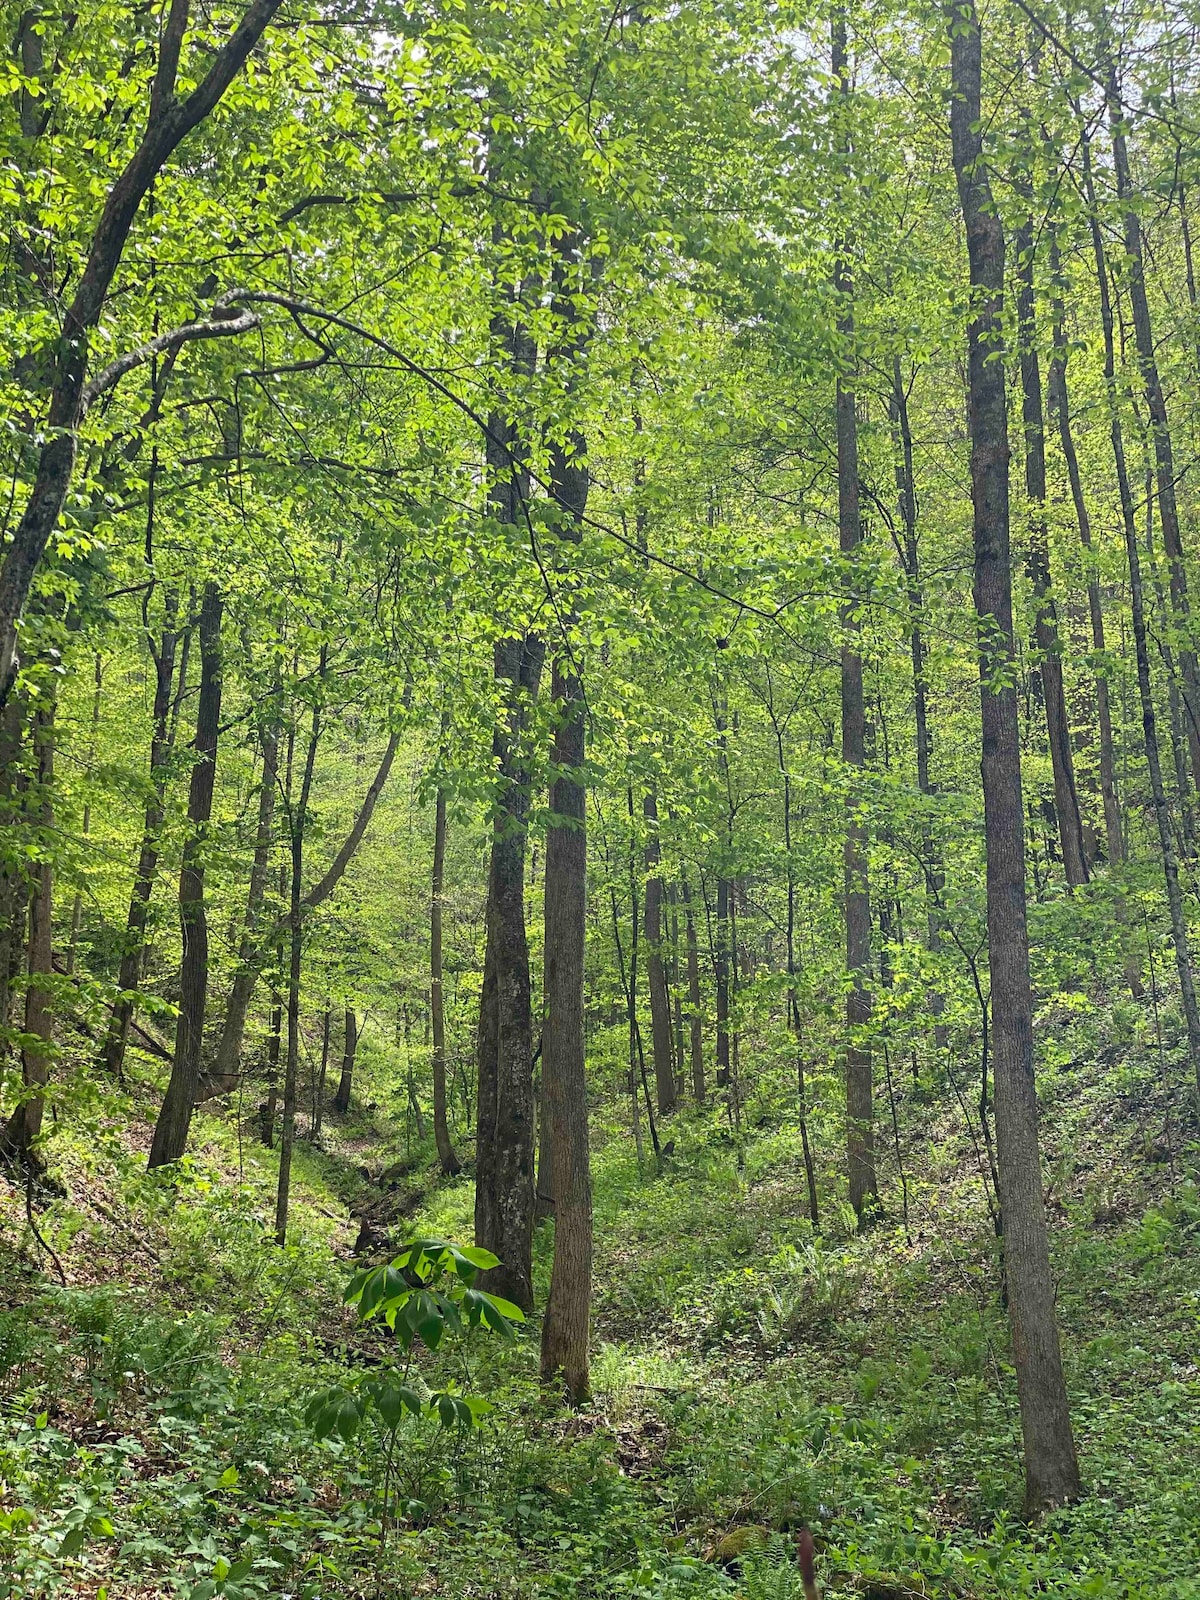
point(422, 1295)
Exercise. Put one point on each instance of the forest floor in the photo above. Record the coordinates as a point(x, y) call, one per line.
point(749, 1375)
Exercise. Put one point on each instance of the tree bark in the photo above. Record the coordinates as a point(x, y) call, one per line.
point(656, 972)
point(795, 1020)
point(319, 1087)
point(77, 905)
point(341, 1100)
point(227, 1066)
point(24, 1127)
point(721, 981)
point(270, 1106)
point(169, 121)
point(695, 1007)
point(1051, 1469)
point(448, 1160)
point(860, 1108)
point(297, 821)
point(504, 1174)
point(1060, 406)
point(1049, 653)
point(175, 1117)
point(567, 1323)
point(14, 891)
point(161, 745)
point(910, 555)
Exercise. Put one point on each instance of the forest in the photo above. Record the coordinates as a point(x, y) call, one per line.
point(599, 799)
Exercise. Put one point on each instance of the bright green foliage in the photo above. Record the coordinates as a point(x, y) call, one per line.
point(426, 1292)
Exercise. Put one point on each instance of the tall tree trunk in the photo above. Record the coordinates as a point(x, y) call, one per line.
point(656, 972)
point(175, 1117)
point(297, 821)
point(341, 1100)
point(910, 554)
point(227, 1066)
point(566, 1327)
point(1051, 1469)
point(1164, 455)
point(1049, 654)
point(504, 1173)
point(161, 744)
point(1060, 406)
point(448, 1160)
point(860, 1107)
point(695, 1007)
point(25, 1125)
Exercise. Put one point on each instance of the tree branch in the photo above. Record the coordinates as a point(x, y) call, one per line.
point(162, 90)
point(216, 327)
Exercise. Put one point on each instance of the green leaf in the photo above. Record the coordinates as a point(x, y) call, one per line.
point(478, 1257)
point(74, 1539)
point(349, 1417)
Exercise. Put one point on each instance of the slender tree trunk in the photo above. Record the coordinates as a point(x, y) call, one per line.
point(1051, 1469)
point(637, 1057)
point(656, 972)
point(860, 1108)
point(404, 1030)
point(161, 744)
point(1164, 455)
point(270, 1109)
point(228, 1064)
point(341, 1100)
point(566, 1327)
point(795, 1021)
point(447, 1158)
point(319, 1090)
point(13, 885)
point(174, 1120)
point(1060, 406)
point(77, 905)
point(297, 821)
point(272, 938)
point(906, 490)
point(675, 991)
point(1049, 654)
point(695, 1007)
point(24, 1127)
point(721, 981)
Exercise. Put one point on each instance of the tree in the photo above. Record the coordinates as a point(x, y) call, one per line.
point(175, 1117)
point(860, 1114)
point(1051, 1469)
point(169, 120)
point(566, 1326)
